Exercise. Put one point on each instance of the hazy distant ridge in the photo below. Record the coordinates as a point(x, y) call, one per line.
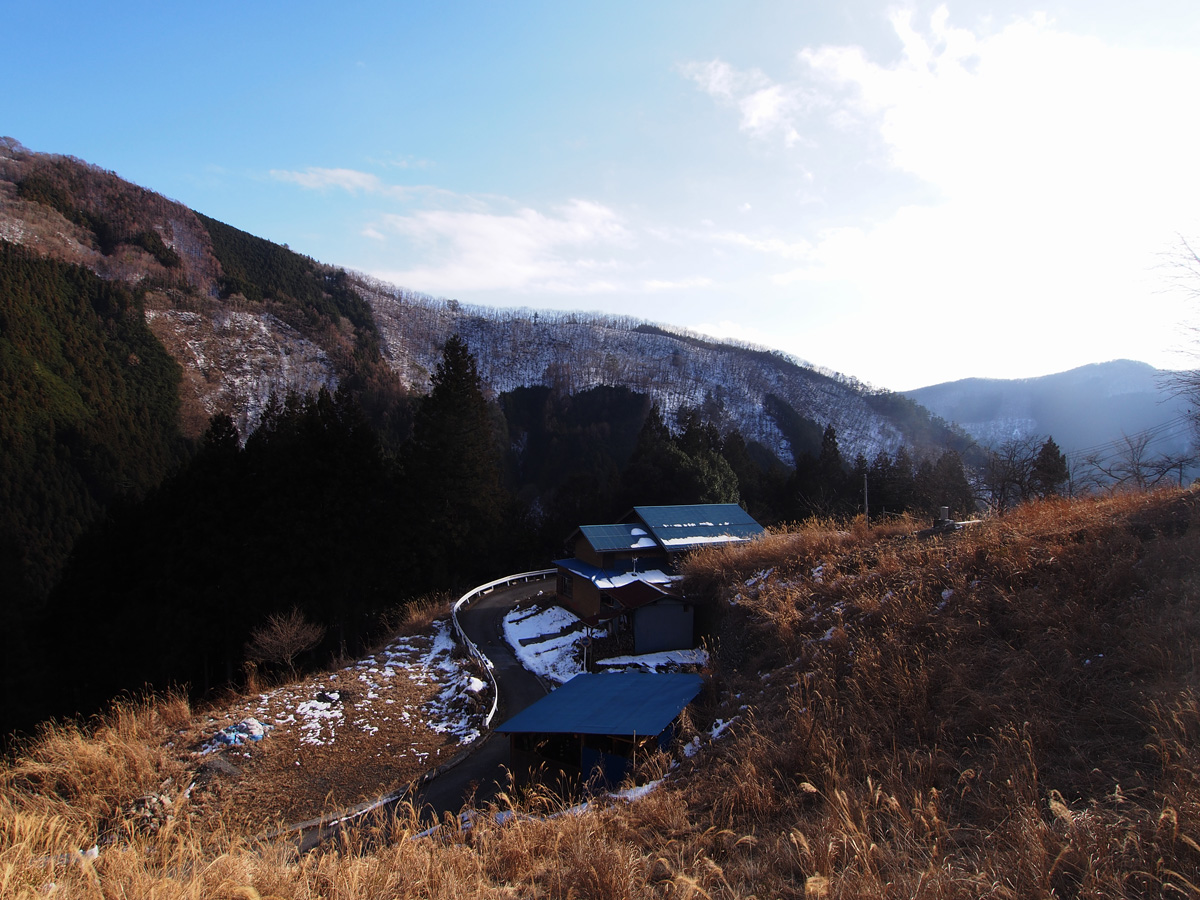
point(1085, 409)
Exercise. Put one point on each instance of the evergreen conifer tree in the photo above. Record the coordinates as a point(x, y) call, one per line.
point(1050, 470)
point(453, 467)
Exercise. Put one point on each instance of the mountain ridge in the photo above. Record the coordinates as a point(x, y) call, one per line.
point(1086, 409)
point(238, 342)
point(314, 326)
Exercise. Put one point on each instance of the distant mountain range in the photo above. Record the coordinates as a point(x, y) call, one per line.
point(1086, 410)
point(245, 318)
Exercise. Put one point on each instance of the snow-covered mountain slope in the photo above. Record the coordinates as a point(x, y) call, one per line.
point(233, 360)
point(245, 318)
point(572, 352)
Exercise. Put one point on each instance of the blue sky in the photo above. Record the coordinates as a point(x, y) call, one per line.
point(904, 193)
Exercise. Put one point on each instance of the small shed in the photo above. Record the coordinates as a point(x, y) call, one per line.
point(597, 724)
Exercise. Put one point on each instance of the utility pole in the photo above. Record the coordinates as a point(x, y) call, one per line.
point(866, 504)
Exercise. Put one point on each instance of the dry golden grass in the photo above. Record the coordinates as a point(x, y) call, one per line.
point(1010, 711)
point(418, 615)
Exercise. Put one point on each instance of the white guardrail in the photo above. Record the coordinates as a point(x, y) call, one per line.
point(474, 594)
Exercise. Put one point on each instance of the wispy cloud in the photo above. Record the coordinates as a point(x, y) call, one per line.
point(569, 250)
point(355, 182)
point(1056, 166)
point(766, 107)
point(317, 179)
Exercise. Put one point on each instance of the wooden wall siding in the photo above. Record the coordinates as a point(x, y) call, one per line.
point(585, 552)
point(654, 557)
point(584, 597)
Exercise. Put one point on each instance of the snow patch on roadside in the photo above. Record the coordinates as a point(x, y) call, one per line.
point(546, 640)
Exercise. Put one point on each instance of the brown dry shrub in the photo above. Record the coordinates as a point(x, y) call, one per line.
point(417, 615)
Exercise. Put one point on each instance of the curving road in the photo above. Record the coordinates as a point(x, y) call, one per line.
point(481, 774)
point(478, 777)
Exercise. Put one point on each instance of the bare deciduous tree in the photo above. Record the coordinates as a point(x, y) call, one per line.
point(283, 638)
point(1185, 277)
point(1008, 475)
point(1132, 465)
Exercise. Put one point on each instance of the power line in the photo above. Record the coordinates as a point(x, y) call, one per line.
point(1172, 428)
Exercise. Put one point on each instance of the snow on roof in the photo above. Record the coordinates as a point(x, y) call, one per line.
point(654, 661)
point(682, 527)
point(674, 528)
point(607, 579)
point(608, 538)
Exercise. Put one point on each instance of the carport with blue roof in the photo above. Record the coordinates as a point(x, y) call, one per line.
point(598, 724)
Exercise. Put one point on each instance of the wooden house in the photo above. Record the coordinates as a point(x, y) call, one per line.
point(628, 571)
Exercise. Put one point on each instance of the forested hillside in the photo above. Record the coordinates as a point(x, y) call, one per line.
point(766, 395)
point(89, 411)
point(203, 430)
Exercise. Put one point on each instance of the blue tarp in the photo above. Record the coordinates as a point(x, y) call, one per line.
point(621, 704)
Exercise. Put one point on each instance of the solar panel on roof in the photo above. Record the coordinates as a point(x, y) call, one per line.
point(606, 538)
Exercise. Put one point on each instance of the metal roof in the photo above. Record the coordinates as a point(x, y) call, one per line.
point(622, 704)
point(679, 528)
point(607, 538)
point(621, 573)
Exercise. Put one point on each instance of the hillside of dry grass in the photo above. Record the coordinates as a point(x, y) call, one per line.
point(1010, 711)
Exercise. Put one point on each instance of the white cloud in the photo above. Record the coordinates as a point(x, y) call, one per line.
point(354, 182)
point(770, 246)
point(766, 107)
point(1060, 166)
point(314, 178)
point(655, 285)
point(567, 251)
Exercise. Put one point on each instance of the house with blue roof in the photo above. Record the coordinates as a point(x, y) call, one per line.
point(625, 575)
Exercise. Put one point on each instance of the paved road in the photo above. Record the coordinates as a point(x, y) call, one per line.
point(481, 774)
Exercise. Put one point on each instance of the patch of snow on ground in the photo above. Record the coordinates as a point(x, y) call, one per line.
point(319, 720)
point(720, 726)
point(546, 641)
point(450, 711)
point(636, 793)
point(355, 697)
